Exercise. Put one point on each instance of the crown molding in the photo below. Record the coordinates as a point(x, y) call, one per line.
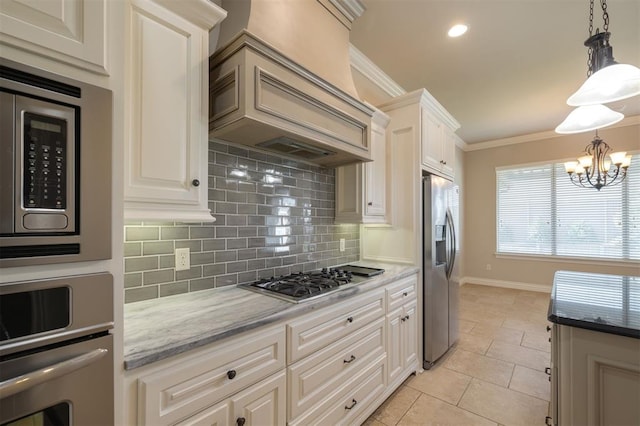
point(372, 72)
point(549, 134)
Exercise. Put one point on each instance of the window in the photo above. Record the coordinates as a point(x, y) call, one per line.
point(541, 212)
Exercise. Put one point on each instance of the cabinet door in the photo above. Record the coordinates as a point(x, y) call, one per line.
point(431, 141)
point(375, 194)
point(69, 31)
point(166, 153)
point(409, 336)
point(261, 404)
point(394, 344)
point(448, 152)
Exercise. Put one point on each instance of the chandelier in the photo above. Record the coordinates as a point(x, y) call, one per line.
point(594, 169)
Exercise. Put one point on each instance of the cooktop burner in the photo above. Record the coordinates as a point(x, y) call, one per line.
point(303, 285)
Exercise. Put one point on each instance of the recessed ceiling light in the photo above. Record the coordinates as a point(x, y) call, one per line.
point(457, 30)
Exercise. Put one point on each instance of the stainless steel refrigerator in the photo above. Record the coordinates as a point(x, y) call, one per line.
point(440, 267)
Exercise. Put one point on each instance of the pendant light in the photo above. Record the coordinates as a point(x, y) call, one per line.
point(607, 81)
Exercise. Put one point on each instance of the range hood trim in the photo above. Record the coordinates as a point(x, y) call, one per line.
point(243, 81)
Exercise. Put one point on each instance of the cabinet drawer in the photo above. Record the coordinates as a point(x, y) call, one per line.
point(401, 292)
point(315, 331)
point(311, 379)
point(199, 381)
point(346, 404)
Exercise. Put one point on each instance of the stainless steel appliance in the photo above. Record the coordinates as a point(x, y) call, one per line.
point(55, 168)
point(56, 353)
point(304, 286)
point(440, 269)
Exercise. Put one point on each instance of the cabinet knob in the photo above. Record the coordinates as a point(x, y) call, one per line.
point(231, 374)
point(548, 370)
point(444, 162)
point(353, 404)
point(370, 203)
point(241, 421)
point(350, 319)
point(350, 360)
point(405, 294)
point(195, 182)
point(548, 421)
point(548, 328)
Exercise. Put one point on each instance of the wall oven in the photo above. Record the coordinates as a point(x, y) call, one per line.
point(55, 168)
point(56, 352)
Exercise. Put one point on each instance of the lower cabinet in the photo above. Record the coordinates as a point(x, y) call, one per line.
point(332, 366)
point(261, 404)
point(595, 378)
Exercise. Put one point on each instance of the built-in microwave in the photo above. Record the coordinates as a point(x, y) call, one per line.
point(55, 168)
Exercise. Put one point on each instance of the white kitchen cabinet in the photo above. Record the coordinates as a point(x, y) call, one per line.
point(402, 322)
point(178, 389)
point(261, 404)
point(361, 189)
point(68, 31)
point(438, 145)
point(432, 127)
point(595, 378)
point(167, 108)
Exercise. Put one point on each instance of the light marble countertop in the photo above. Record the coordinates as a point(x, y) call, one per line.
point(159, 328)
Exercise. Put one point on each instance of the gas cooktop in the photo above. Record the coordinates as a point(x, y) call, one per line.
point(304, 285)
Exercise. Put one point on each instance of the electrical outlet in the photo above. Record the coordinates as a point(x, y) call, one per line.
point(488, 266)
point(183, 259)
point(342, 244)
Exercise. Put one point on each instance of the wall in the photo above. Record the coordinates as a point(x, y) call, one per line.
point(480, 208)
point(273, 216)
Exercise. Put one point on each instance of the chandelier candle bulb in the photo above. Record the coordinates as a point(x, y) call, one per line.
point(570, 166)
point(585, 161)
point(626, 162)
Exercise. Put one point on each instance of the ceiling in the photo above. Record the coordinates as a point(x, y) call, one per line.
point(511, 73)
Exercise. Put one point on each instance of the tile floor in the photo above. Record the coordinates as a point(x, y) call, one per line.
point(494, 375)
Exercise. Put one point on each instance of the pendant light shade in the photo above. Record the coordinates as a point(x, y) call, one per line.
point(587, 118)
point(609, 84)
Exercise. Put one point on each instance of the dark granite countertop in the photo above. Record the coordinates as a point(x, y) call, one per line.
point(159, 328)
point(606, 303)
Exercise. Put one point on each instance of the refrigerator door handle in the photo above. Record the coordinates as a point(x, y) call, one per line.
point(451, 237)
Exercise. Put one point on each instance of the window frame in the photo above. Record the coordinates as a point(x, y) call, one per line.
point(554, 257)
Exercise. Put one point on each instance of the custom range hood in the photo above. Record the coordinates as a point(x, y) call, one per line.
point(281, 81)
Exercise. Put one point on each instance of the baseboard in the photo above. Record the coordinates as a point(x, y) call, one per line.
point(541, 288)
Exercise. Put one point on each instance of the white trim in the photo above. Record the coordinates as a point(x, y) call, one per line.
point(373, 73)
point(549, 134)
point(540, 288)
point(567, 259)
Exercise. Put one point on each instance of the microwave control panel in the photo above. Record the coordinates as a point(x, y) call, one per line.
point(45, 157)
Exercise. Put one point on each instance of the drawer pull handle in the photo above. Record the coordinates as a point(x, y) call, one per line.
point(353, 404)
point(350, 360)
point(403, 319)
point(231, 374)
point(548, 329)
point(241, 421)
point(370, 203)
point(350, 319)
point(405, 294)
point(548, 421)
point(548, 370)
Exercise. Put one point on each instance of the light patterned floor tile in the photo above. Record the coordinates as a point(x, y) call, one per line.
point(392, 410)
point(532, 358)
point(532, 382)
point(502, 405)
point(539, 341)
point(473, 343)
point(427, 411)
point(465, 326)
point(485, 368)
point(442, 383)
point(508, 335)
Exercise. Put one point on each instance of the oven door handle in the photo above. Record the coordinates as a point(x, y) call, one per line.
point(25, 381)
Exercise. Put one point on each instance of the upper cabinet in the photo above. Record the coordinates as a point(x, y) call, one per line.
point(361, 189)
point(67, 31)
point(432, 125)
point(167, 109)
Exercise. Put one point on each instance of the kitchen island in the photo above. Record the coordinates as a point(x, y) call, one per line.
point(595, 349)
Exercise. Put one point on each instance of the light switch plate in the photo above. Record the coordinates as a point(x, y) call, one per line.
point(183, 259)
